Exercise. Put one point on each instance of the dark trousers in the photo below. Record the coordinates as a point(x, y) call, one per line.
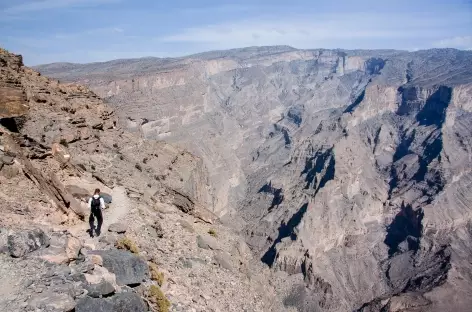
point(96, 213)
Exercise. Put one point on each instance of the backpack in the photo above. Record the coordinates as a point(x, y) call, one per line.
point(95, 203)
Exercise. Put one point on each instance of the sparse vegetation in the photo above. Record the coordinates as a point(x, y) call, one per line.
point(145, 160)
point(128, 244)
point(155, 274)
point(212, 232)
point(138, 166)
point(158, 298)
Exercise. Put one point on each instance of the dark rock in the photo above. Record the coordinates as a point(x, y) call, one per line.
point(89, 304)
point(128, 268)
point(128, 302)
point(22, 243)
point(183, 202)
point(158, 228)
point(103, 288)
point(119, 228)
point(124, 302)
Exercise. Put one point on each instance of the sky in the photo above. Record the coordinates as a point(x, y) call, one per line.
point(82, 31)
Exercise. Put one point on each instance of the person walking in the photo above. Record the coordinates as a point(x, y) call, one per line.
point(96, 204)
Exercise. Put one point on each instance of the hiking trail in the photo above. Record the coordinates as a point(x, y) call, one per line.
point(115, 212)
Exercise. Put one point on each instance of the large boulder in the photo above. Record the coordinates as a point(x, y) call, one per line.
point(103, 288)
point(63, 249)
point(24, 242)
point(123, 302)
point(89, 304)
point(128, 302)
point(128, 268)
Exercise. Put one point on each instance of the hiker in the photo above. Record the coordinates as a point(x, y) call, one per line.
point(96, 204)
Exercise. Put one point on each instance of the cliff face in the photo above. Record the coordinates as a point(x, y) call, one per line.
point(349, 170)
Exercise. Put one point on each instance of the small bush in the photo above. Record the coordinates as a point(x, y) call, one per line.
point(155, 274)
point(63, 142)
point(138, 166)
point(158, 298)
point(212, 232)
point(128, 244)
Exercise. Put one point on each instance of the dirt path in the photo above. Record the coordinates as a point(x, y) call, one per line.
point(116, 211)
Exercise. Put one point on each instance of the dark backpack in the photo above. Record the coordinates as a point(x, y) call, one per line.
point(95, 203)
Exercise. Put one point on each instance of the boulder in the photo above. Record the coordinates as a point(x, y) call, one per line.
point(50, 301)
point(60, 152)
point(207, 242)
point(7, 160)
point(224, 260)
point(73, 247)
point(128, 302)
point(103, 288)
point(100, 274)
point(128, 268)
point(89, 304)
point(119, 228)
point(123, 302)
point(24, 242)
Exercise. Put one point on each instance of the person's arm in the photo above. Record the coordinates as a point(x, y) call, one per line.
point(90, 203)
point(102, 202)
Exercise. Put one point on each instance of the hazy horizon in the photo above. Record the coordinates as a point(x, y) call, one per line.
point(84, 31)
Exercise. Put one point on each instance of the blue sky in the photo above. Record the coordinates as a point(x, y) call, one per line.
point(46, 31)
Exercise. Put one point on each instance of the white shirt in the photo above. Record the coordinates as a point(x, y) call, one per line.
point(102, 202)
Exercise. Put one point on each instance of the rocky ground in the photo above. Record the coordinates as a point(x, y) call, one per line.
point(160, 248)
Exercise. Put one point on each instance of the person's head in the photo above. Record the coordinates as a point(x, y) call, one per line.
point(97, 192)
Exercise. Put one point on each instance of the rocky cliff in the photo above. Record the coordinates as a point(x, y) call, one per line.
point(347, 170)
point(160, 248)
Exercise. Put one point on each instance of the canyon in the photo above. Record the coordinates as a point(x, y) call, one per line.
point(346, 172)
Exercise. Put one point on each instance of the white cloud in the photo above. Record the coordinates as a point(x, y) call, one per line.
point(308, 31)
point(31, 6)
point(459, 42)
